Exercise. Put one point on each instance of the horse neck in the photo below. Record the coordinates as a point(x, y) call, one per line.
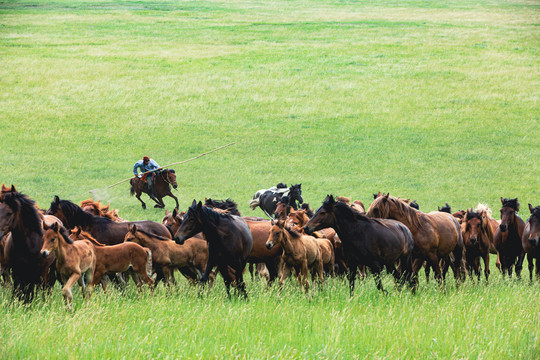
point(80, 218)
point(345, 226)
point(410, 217)
point(288, 244)
point(62, 249)
point(25, 238)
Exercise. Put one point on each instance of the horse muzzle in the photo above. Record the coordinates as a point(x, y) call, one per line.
point(45, 253)
point(180, 240)
point(269, 245)
point(308, 230)
point(474, 241)
point(534, 241)
point(175, 186)
point(503, 227)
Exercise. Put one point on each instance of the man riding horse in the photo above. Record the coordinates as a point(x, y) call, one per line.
point(148, 168)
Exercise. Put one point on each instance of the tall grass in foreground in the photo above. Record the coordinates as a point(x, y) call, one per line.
point(495, 321)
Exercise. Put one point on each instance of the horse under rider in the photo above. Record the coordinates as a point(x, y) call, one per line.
point(145, 165)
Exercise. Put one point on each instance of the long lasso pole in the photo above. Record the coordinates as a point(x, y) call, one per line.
point(176, 163)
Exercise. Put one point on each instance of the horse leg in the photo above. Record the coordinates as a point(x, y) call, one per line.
point(240, 284)
point(212, 261)
point(519, 264)
point(303, 276)
point(486, 265)
point(427, 270)
point(376, 271)
point(352, 276)
point(537, 267)
point(530, 260)
point(66, 291)
point(138, 196)
point(433, 261)
point(250, 269)
point(175, 199)
point(285, 273)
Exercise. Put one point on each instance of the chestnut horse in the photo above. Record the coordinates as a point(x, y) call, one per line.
point(229, 242)
point(531, 240)
point(508, 236)
point(300, 251)
point(477, 243)
point(75, 261)
point(97, 209)
point(163, 180)
point(118, 259)
point(376, 243)
point(107, 231)
point(436, 234)
point(19, 216)
point(168, 255)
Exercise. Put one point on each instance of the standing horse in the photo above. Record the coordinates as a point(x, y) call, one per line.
point(162, 185)
point(267, 199)
point(531, 240)
point(107, 231)
point(376, 243)
point(507, 239)
point(19, 216)
point(477, 243)
point(436, 235)
point(229, 242)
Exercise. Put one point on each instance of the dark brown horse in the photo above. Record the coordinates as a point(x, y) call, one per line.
point(508, 236)
point(376, 243)
point(19, 216)
point(162, 184)
point(229, 242)
point(436, 235)
point(107, 231)
point(477, 243)
point(531, 240)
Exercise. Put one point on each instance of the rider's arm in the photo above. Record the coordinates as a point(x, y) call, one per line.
point(137, 165)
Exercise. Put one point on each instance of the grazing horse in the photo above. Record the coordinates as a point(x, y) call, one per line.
point(436, 234)
point(19, 216)
point(168, 255)
point(301, 252)
point(107, 231)
point(162, 185)
point(477, 243)
point(507, 239)
point(229, 242)
point(531, 240)
point(267, 199)
point(118, 259)
point(376, 243)
point(75, 261)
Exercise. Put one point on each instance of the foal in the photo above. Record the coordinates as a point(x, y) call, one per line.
point(74, 260)
point(301, 252)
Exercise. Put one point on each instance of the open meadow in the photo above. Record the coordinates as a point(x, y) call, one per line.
point(436, 101)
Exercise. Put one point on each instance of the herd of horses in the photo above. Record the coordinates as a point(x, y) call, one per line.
point(90, 244)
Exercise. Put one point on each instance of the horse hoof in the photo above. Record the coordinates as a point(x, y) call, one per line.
point(144, 206)
point(158, 206)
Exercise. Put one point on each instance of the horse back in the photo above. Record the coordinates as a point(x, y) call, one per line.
point(260, 230)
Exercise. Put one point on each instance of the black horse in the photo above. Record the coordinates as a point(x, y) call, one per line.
point(229, 242)
point(19, 216)
point(375, 243)
point(267, 199)
point(104, 230)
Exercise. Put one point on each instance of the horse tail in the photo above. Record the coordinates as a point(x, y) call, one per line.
point(132, 190)
point(254, 203)
point(148, 262)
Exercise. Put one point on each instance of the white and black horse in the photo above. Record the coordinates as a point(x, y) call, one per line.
point(267, 199)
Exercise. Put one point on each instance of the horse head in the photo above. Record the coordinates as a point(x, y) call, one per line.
point(473, 227)
point(191, 224)
point(51, 239)
point(324, 216)
point(295, 194)
point(508, 213)
point(534, 226)
point(170, 177)
point(276, 234)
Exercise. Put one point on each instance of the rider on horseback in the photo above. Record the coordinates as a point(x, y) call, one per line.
point(145, 165)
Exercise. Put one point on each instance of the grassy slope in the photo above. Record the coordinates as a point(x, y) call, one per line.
point(437, 101)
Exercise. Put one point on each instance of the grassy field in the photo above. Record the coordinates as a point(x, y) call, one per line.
point(432, 100)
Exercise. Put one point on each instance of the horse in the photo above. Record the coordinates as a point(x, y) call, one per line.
point(162, 184)
point(531, 240)
point(267, 199)
point(75, 261)
point(227, 204)
point(301, 252)
point(107, 231)
point(118, 259)
point(436, 234)
point(19, 216)
point(229, 242)
point(168, 255)
point(507, 238)
point(356, 204)
point(476, 242)
point(376, 243)
point(97, 209)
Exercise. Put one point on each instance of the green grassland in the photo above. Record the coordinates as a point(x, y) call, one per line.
point(432, 100)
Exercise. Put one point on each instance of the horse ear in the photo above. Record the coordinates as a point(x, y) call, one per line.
point(55, 227)
point(133, 229)
point(78, 232)
point(531, 209)
point(387, 195)
point(502, 200)
point(194, 203)
point(45, 226)
point(331, 199)
point(13, 188)
point(56, 199)
point(174, 212)
point(439, 208)
point(199, 205)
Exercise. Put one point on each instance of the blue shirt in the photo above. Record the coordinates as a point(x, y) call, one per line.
point(152, 165)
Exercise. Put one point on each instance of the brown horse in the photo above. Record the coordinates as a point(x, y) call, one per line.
point(75, 261)
point(300, 251)
point(97, 209)
point(531, 240)
point(476, 241)
point(356, 204)
point(508, 236)
point(168, 255)
point(118, 259)
point(436, 235)
point(19, 216)
point(162, 184)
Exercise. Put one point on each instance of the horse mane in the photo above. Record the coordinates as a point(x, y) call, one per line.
point(483, 208)
point(155, 236)
point(472, 214)
point(86, 236)
point(74, 211)
point(309, 211)
point(227, 204)
point(215, 216)
point(511, 203)
point(65, 234)
point(411, 214)
point(18, 202)
point(295, 234)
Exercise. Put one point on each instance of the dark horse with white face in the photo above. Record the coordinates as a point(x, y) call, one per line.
point(229, 242)
point(19, 216)
point(267, 199)
point(162, 185)
point(104, 230)
point(531, 240)
point(376, 243)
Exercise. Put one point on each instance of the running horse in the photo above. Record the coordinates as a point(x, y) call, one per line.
point(162, 185)
point(229, 242)
point(531, 240)
point(507, 239)
point(19, 216)
point(267, 199)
